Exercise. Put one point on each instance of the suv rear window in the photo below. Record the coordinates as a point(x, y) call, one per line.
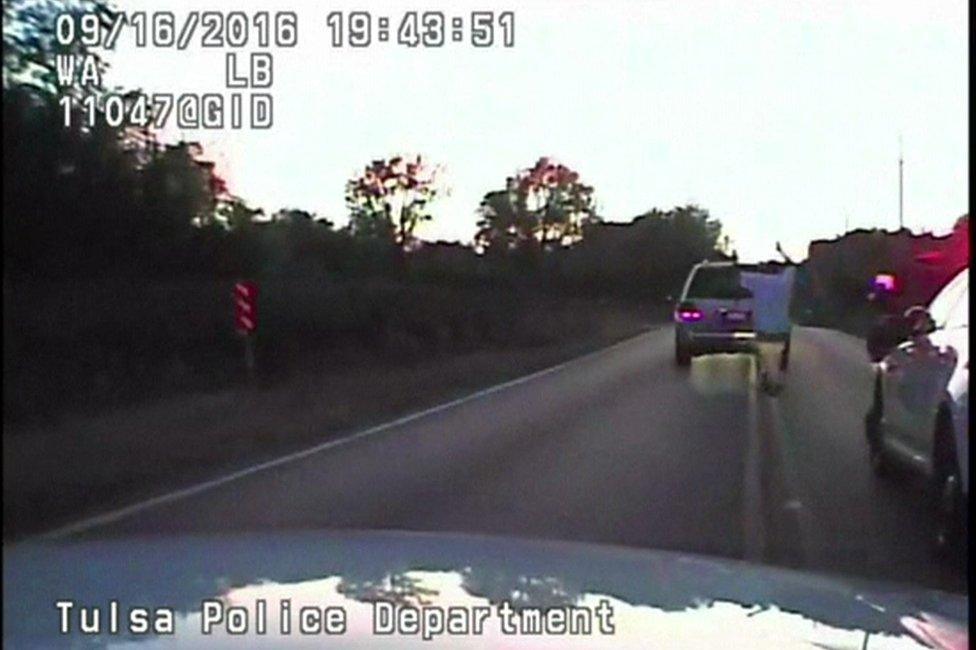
point(722, 282)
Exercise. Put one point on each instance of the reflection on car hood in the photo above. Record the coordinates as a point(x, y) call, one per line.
point(658, 599)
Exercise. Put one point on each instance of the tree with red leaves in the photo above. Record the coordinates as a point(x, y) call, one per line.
point(541, 207)
point(390, 198)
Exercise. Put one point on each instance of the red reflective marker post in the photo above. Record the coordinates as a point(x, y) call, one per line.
point(246, 319)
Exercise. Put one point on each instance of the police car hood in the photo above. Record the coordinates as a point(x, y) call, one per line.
point(657, 599)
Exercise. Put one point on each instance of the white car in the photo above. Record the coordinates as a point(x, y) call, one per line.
point(919, 417)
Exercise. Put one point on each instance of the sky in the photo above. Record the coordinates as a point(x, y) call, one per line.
point(782, 118)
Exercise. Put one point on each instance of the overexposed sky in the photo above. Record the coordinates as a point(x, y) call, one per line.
point(782, 118)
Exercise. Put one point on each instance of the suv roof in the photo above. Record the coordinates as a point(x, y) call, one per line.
point(743, 266)
point(709, 263)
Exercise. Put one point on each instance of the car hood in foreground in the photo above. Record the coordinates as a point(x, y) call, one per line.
point(657, 599)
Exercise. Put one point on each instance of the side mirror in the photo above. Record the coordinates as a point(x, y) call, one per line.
point(885, 335)
point(919, 321)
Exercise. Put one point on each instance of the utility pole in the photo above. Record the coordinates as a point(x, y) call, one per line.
point(901, 187)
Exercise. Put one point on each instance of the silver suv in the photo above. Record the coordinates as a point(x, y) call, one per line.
point(714, 313)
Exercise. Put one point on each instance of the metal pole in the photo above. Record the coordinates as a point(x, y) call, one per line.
point(901, 187)
point(249, 357)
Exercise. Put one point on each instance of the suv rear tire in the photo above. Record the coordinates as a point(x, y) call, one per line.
point(682, 355)
point(874, 432)
point(947, 497)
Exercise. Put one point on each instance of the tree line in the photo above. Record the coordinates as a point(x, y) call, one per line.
point(102, 202)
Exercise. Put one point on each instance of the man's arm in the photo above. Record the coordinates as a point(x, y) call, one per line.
point(779, 249)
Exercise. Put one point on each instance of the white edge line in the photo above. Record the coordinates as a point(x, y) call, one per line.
point(121, 513)
point(805, 519)
point(753, 528)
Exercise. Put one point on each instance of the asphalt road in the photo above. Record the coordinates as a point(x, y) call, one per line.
point(621, 447)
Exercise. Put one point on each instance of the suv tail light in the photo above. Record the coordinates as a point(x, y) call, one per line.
point(687, 312)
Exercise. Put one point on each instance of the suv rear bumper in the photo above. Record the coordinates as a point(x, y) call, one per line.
point(700, 342)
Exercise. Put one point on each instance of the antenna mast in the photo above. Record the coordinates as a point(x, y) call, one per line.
point(901, 187)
